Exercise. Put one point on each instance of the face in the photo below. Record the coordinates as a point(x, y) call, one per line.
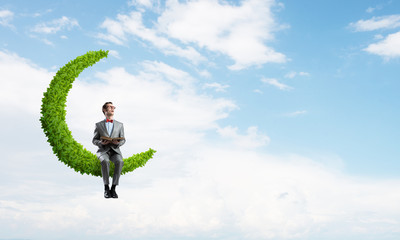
point(110, 110)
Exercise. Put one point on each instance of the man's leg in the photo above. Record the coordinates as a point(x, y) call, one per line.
point(105, 169)
point(118, 163)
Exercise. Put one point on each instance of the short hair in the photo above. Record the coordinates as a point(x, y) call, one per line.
point(105, 106)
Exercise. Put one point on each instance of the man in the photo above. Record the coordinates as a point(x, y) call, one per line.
point(109, 150)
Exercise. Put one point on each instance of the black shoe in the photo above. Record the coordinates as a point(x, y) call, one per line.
point(113, 194)
point(107, 194)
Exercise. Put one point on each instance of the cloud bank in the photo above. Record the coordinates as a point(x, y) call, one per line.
point(206, 180)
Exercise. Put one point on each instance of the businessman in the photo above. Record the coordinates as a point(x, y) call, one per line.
point(109, 150)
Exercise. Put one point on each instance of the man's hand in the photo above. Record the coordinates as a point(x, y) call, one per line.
point(105, 142)
point(115, 142)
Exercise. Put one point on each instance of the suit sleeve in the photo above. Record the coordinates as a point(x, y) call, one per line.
point(121, 134)
point(96, 137)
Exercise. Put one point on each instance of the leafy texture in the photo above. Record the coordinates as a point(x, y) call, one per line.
point(56, 130)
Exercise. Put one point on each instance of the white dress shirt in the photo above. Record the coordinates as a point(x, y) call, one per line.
point(109, 126)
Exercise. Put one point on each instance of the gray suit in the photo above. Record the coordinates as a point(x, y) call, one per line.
point(108, 152)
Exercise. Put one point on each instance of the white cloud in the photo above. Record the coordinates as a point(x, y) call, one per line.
point(252, 139)
point(159, 101)
point(372, 9)
point(110, 38)
point(375, 23)
point(274, 82)
point(217, 86)
point(296, 113)
point(6, 17)
point(46, 41)
point(142, 5)
point(204, 73)
point(117, 31)
point(195, 186)
point(387, 48)
point(114, 54)
point(17, 74)
point(304, 74)
point(258, 91)
point(55, 25)
point(238, 31)
point(42, 39)
point(40, 13)
point(163, 97)
point(378, 37)
point(222, 192)
point(293, 74)
point(6, 14)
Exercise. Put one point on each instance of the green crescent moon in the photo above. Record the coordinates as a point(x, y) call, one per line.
point(56, 130)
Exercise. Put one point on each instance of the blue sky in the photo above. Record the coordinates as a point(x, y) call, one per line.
point(272, 119)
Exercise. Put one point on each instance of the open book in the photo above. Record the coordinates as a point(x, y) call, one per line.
point(111, 139)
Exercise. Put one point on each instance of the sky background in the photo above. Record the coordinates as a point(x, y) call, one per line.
point(271, 119)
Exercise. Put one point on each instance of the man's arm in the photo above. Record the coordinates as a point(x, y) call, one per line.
point(96, 138)
point(121, 134)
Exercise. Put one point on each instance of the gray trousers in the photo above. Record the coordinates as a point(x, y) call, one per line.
point(105, 159)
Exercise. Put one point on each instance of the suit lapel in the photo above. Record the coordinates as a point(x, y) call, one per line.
point(103, 125)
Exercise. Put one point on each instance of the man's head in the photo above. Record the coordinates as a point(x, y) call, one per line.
point(108, 109)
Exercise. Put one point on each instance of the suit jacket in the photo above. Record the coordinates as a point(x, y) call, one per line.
point(101, 131)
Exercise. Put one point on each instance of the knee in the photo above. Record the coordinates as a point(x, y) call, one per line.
point(104, 161)
point(102, 157)
point(120, 162)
